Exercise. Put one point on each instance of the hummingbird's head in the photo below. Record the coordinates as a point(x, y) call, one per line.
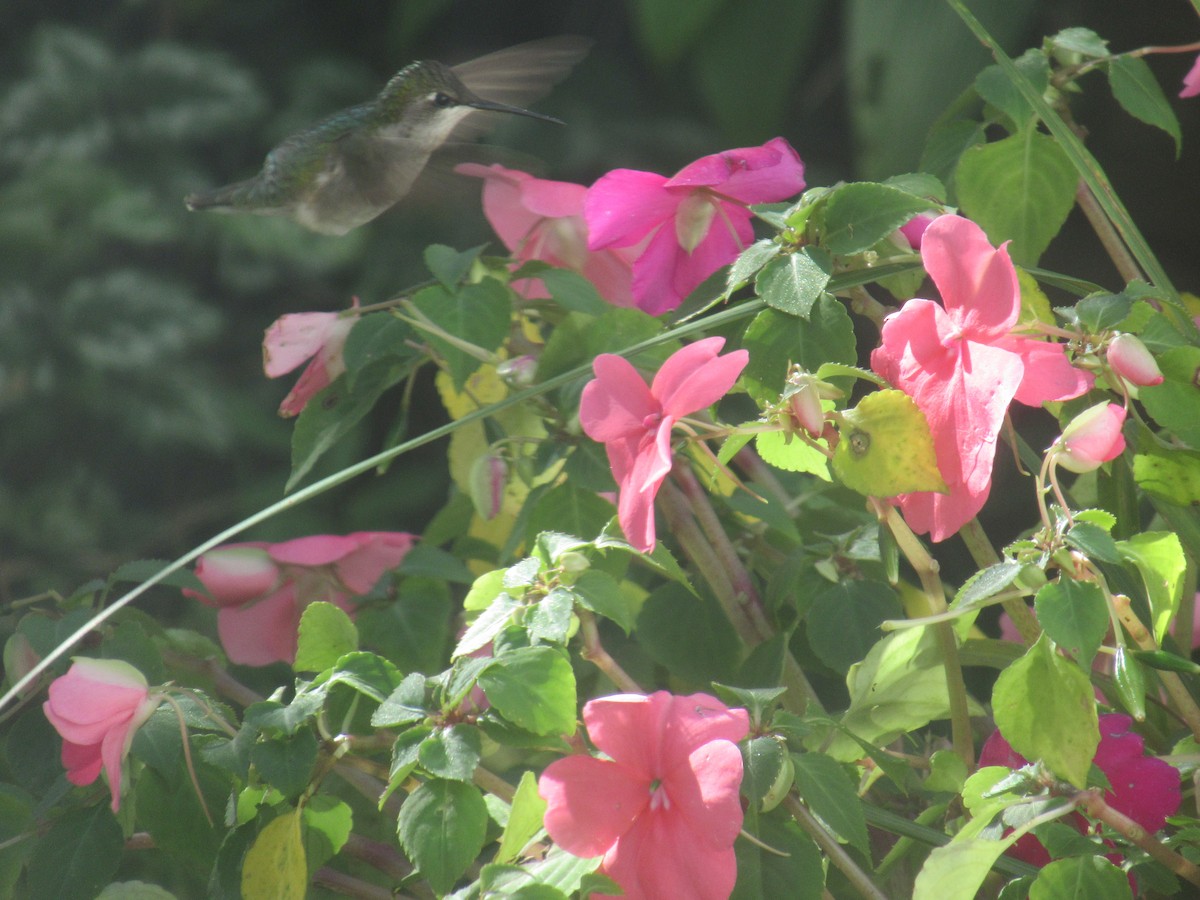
point(426, 100)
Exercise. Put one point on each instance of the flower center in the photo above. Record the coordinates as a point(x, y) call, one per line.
point(650, 423)
point(693, 218)
point(658, 796)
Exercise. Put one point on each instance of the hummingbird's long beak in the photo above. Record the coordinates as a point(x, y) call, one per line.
point(480, 103)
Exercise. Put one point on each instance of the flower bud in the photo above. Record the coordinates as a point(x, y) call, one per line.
point(518, 372)
point(805, 407)
point(1130, 359)
point(488, 479)
point(914, 229)
point(1092, 437)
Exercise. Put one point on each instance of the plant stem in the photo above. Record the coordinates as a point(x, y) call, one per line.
point(493, 784)
point(926, 568)
point(594, 652)
point(1092, 802)
point(342, 883)
point(832, 849)
point(1109, 239)
point(1181, 697)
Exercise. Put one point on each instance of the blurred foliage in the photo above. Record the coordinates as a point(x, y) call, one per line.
point(134, 418)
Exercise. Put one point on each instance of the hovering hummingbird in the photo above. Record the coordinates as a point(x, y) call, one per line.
point(357, 163)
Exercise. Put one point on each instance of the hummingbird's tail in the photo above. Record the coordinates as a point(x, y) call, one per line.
point(230, 198)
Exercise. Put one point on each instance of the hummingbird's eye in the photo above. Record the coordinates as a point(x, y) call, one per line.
point(443, 101)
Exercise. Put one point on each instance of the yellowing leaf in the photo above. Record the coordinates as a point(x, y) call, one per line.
point(886, 448)
point(274, 867)
point(790, 453)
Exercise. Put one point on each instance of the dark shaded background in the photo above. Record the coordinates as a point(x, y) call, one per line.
point(134, 417)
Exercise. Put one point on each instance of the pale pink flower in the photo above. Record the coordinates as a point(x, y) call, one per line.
point(296, 337)
point(1191, 81)
point(663, 809)
point(1093, 437)
point(543, 220)
point(634, 422)
point(96, 707)
point(1130, 359)
point(262, 589)
point(962, 367)
point(695, 221)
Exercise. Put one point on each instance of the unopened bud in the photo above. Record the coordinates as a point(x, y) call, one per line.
point(1130, 359)
point(1092, 437)
point(518, 371)
point(489, 478)
point(805, 407)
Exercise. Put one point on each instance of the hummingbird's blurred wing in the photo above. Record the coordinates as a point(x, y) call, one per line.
point(517, 76)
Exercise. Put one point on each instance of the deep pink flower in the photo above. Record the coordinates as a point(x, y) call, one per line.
point(696, 221)
point(1143, 787)
point(96, 707)
point(262, 589)
point(297, 337)
point(1191, 81)
point(634, 422)
point(543, 220)
point(664, 807)
point(1129, 358)
point(1093, 437)
point(962, 367)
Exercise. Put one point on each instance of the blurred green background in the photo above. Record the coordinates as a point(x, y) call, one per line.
point(134, 416)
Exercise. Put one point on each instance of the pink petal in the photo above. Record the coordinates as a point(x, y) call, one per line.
point(314, 550)
point(639, 486)
point(294, 338)
point(616, 403)
point(659, 858)
point(977, 281)
point(695, 377)
point(748, 174)
point(1130, 359)
point(112, 751)
point(378, 552)
point(590, 803)
point(1049, 375)
point(235, 574)
point(263, 632)
point(611, 271)
point(1092, 437)
point(703, 792)
point(914, 229)
point(93, 697)
point(82, 762)
point(1191, 81)
point(655, 271)
point(624, 206)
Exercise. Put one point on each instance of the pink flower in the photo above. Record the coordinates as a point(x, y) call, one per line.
point(634, 422)
point(1093, 437)
point(543, 220)
point(1144, 788)
point(297, 337)
point(262, 589)
point(962, 367)
point(1129, 358)
point(914, 229)
point(664, 807)
point(96, 707)
point(1191, 81)
point(696, 221)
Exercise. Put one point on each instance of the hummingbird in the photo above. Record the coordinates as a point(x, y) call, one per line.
point(357, 163)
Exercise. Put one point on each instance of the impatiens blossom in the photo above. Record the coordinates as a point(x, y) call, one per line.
point(1144, 788)
point(963, 368)
point(1092, 438)
point(634, 422)
point(663, 809)
point(262, 589)
point(1129, 358)
point(1191, 81)
point(696, 221)
point(297, 337)
point(543, 220)
point(96, 707)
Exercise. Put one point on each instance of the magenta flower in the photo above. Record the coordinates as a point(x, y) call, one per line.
point(1191, 81)
point(962, 367)
point(695, 222)
point(96, 707)
point(1129, 358)
point(664, 807)
point(1144, 788)
point(543, 220)
point(262, 589)
point(1092, 438)
point(634, 422)
point(297, 337)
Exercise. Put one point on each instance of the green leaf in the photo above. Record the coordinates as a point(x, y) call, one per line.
point(524, 819)
point(1093, 540)
point(1020, 188)
point(170, 811)
point(687, 634)
point(487, 625)
point(886, 448)
point(16, 818)
point(1093, 877)
point(776, 340)
point(957, 870)
point(1131, 683)
point(367, 673)
point(275, 867)
point(550, 619)
point(451, 752)
point(829, 793)
point(573, 292)
point(567, 507)
point(987, 583)
point(861, 214)
point(997, 89)
point(78, 856)
point(1173, 476)
point(843, 621)
point(798, 875)
point(414, 632)
point(442, 827)
point(326, 634)
point(1175, 404)
point(405, 705)
point(1083, 41)
point(534, 688)
point(601, 593)
point(787, 452)
point(1059, 727)
point(478, 314)
point(134, 890)
point(765, 765)
point(1075, 616)
point(1159, 558)
point(286, 763)
point(749, 262)
point(792, 282)
point(327, 825)
point(667, 28)
point(450, 266)
point(1137, 90)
